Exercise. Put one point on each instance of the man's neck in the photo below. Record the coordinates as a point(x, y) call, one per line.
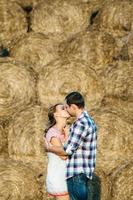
point(79, 112)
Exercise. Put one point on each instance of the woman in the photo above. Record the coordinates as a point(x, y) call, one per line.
point(55, 134)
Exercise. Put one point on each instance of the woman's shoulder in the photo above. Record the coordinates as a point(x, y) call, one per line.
point(52, 132)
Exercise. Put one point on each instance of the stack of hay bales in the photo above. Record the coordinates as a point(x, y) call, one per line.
point(115, 117)
point(17, 93)
point(13, 22)
point(114, 146)
point(64, 46)
point(25, 140)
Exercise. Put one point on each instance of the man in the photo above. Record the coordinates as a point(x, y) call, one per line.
point(80, 148)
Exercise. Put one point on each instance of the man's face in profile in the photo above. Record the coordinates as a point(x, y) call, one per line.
point(69, 109)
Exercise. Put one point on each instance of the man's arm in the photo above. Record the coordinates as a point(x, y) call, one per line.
point(57, 142)
point(74, 141)
point(58, 150)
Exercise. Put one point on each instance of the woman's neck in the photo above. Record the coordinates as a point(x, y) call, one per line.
point(59, 126)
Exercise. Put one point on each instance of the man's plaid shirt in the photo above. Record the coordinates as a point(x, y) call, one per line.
point(81, 147)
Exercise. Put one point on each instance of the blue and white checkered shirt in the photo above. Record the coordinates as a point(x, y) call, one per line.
point(81, 147)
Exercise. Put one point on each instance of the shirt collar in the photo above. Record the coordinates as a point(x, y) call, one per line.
point(82, 114)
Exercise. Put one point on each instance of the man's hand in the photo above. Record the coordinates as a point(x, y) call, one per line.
point(58, 150)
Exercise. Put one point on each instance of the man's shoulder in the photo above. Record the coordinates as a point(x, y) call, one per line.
point(83, 121)
point(85, 117)
point(88, 121)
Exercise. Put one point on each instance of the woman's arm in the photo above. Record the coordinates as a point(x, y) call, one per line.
point(57, 148)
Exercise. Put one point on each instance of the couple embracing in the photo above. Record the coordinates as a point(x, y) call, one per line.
point(71, 152)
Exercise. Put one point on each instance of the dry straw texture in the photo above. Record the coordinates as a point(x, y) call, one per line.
point(123, 109)
point(130, 46)
point(3, 141)
point(114, 141)
point(118, 80)
point(25, 140)
point(27, 3)
point(92, 1)
point(96, 48)
point(37, 49)
point(116, 17)
point(88, 5)
point(59, 17)
point(123, 52)
point(17, 182)
point(122, 182)
point(59, 78)
point(12, 21)
point(17, 87)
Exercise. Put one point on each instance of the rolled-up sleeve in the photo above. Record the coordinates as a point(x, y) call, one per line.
point(76, 135)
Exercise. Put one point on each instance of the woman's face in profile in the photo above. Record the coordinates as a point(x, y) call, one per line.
point(61, 112)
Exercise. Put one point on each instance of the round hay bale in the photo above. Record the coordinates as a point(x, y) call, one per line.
point(25, 137)
point(59, 17)
point(124, 109)
point(17, 87)
point(59, 78)
point(115, 17)
point(3, 141)
point(118, 81)
point(114, 141)
point(18, 182)
point(12, 21)
point(96, 48)
point(36, 49)
point(122, 182)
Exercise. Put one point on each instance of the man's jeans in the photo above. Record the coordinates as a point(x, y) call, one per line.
point(78, 187)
